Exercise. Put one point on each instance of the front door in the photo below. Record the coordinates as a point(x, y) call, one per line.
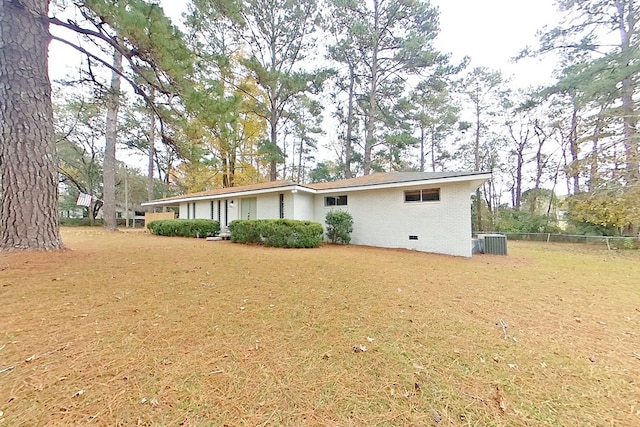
point(248, 208)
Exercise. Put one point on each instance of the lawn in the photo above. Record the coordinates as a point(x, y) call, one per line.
point(131, 329)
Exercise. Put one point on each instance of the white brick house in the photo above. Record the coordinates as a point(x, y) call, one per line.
point(423, 211)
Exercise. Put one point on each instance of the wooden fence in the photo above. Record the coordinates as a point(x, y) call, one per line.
point(154, 216)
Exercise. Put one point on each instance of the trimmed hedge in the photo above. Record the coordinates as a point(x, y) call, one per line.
point(339, 226)
point(184, 227)
point(280, 233)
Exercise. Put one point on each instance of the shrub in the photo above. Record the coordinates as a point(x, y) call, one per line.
point(281, 233)
point(630, 243)
point(521, 221)
point(339, 226)
point(184, 227)
point(245, 231)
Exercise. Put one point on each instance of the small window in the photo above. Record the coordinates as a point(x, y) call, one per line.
point(335, 201)
point(412, 196)
point(426, 195)
point(281, 205)
point(431, 195)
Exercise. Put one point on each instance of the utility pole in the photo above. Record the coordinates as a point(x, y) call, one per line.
point(152, 150)
point(126, 194)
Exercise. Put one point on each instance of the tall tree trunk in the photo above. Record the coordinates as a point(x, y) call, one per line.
point(273, 112)
point(372, 107)
point(152, 153)
point(476, 144)
point(520, 141)
point(348, 144)
point(574, 149)
point(476, 163)
point(520, 164)
point(225, 172)
point(273, 165)
point(232, 168)
point(567, 174)
point(109, 165)
point(28, 164)
point(422, 148)
point(594, 173)
point(370, 126)
point(626, 25)
point(630, 133)
point(433, 148)
point(299, 172)
point(541, 137)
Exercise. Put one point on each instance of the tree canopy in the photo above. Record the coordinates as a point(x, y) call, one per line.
point(254, 90)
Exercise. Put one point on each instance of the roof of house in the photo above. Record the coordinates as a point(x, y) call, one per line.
point(388, 179)
point(230, 190)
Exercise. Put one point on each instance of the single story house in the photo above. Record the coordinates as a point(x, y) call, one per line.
point(424, 211)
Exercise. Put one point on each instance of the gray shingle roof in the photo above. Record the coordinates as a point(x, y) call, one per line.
point(389, 178)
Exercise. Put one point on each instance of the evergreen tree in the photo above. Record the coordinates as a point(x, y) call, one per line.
point(382, 43)
point(279, 36)
point(137, 29)
point(28, 166)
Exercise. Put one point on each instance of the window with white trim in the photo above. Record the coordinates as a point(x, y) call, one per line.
point(424, 195)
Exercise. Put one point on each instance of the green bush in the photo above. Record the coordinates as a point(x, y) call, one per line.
point(184, 227)
point(521, 221)
point(339, 226)
point(630, 243)
point(245, 231)
point(281, 233)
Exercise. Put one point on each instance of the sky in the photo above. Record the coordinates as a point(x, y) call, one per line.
point(490, 32)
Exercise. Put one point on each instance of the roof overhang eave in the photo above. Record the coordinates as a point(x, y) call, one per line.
point(475, 180)
point(229, 195)
point(161, 203)
point(476, 183)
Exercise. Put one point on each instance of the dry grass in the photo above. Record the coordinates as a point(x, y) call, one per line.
point(127, 328)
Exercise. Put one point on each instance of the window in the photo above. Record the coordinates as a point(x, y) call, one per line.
point(412, 195)
point(335, 201)
point(431, 195)
point(426, 195)
point(281, 205)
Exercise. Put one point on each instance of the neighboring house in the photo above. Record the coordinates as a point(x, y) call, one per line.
point(423, 211)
